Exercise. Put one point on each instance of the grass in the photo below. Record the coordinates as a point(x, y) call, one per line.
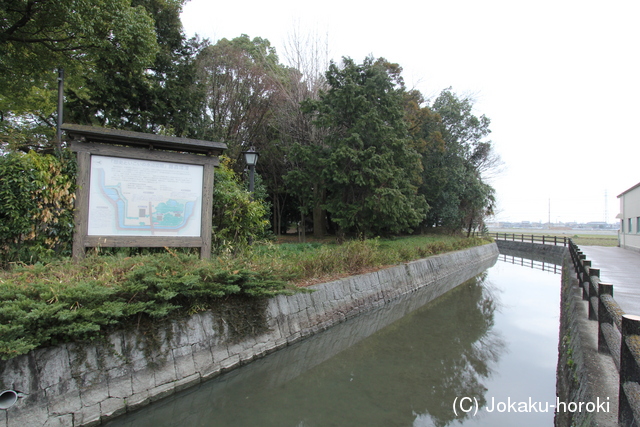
point(64, 301)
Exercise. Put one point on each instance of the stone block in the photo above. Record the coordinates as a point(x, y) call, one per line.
point(211, 372)
point(120, 383)
point(219, 353)
point(111, 354)
point(161, 392)
point(137, 401)
point(230, 362)
point(194, 330)
point(187, 382)
point(60, 421)
point(184, 365)
point(142, 380)
point(20, 416)
point(60, 404)
point(17, 373)
point(112, 407)
point(165, 371)
point(202, 359)
point(52, 364)
point(94, 394)
point(88, 416)
point(85, 366)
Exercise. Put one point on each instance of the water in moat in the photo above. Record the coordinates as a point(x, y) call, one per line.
point(483, 354)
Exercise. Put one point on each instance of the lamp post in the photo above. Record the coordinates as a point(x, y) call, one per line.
point(251, 158)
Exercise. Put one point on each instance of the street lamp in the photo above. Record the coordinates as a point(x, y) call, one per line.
point(251, 158)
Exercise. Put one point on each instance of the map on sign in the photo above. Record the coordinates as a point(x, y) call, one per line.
point(131, 197)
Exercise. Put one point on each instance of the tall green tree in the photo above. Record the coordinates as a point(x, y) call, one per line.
point(455, 157)
point(160, 97)
point(238, 78)
point(369, 168)
point(38, 36)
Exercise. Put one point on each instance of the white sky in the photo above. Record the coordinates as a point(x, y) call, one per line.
point(559, 79)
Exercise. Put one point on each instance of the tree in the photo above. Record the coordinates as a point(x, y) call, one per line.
point(455, 157)
point(238, 78)
point(308, 61)
point(369, 169)
point(160, 97)
point(37, 36)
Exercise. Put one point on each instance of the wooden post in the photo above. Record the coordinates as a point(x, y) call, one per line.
point(584, 279)
point(629, 371)
point(80, 214)
point(594, 278)
point(604, 317)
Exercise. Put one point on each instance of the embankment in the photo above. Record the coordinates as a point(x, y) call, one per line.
point(87, 384)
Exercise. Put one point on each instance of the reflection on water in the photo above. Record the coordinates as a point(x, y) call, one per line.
point(551, 267)
point(491, 338)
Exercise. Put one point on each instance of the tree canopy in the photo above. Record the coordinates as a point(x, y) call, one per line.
point(349, 150)
point(369, 168)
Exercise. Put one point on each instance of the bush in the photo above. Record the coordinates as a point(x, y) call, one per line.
point(44, 305)
point(237, 219)
point(36, 206)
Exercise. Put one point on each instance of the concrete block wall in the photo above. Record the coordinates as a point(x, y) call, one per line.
point(85, 385)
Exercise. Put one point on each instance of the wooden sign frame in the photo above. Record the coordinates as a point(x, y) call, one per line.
point(88, 141)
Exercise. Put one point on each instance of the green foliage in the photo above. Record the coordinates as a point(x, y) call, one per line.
point(455, 155)
point(239, 80)
point(237, 219)
point(36, 206)
point(37, 37)
point(65, 301)
point(369, 169)
point(44, 305)
point(157, 97)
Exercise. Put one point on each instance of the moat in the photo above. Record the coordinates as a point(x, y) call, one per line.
point(488, 342)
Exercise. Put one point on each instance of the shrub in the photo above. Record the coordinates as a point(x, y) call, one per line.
point(36, 206)
point(237, 219)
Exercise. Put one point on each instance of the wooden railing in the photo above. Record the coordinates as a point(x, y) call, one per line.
point(536, 265)
point(618, 334)
point(531, 238)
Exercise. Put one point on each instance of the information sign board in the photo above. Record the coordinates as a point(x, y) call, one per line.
point(133, 197)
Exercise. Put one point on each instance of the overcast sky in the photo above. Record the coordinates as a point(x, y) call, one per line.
point(560, 81)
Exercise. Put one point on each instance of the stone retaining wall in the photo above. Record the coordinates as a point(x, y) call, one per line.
point(84, 385)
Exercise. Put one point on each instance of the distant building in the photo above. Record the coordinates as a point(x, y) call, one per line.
point(629, 235)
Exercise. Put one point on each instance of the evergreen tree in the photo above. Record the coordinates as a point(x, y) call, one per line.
point(369, 169)
point(456, 154)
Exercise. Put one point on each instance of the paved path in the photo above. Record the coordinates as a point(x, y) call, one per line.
point(621, 268)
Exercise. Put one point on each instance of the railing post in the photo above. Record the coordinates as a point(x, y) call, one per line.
point(629, 371)
point(594, 279)
point(555, 240)
point(583, 277)
point(603, 316)
point(543, 239)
